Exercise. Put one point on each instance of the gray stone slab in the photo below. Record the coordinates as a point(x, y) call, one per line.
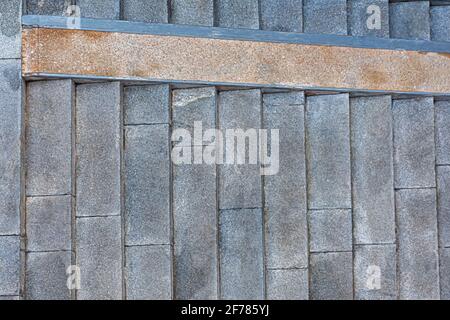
point(328, 151)
point(330, 230)
point(324, 16)
point(417, 244)
point(410, 20)
point(375, 272)
point(46, 277)
point(287, 284)
point(155, 11)
point(195, 231)
point(241, 254)
point(238, 14)
point(443, 193)
point(100, 9)
point(149, 274)
point(48, 223)
point(414, 146)
point(47, 7)
point(440, 23)
point(372, 170)
point(49, 138)
point(369, 18)
point(98, 137)
point(9, 298)
point(445, 273)
point(442, 132)
point(10, 132)
point(10, 16)
point(331, 276)
point(240, 185)
point(193, 12)
point(147, 185)
point(282, 15)
point(99, 257)
point(146, 104)
point(9, 265)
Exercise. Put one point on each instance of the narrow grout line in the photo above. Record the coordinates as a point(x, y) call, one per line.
point(171, 198)
point(263, 194)
point(122, 192)
point(74, 257)
point(352, 187)
point(437, 200)
point(217, 168)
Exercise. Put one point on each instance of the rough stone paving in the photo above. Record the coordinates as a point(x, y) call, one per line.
point(360, 208)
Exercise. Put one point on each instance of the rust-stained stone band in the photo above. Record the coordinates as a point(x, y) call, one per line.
point(81, 53)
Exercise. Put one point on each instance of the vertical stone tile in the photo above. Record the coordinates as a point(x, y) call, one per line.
point(146, 104)
point(410, 20)
point(282, 15)
point(417, 244)
point(49, 138)
point(440, 23)
point(47, 7)
point(363, 16)
point(241, 254)
point(150, 11)
point(443, 192)
point(240, 185)
point(11, 13)
point(445, 273)
point(98, 137)
point(372, 170)
point(238, 14)
point(10, 133)
point(324, 16)
point(149, 275)
point(147, 185)
point(442, 131)
point(331, 276)
point(328, 151)
point(46, 277)
point(99, 257)
point(287, 284)
point(375, 272)
point(193, 12)
point(9, 265)
point(414, 146)
point(100, 9)
point(48, 223)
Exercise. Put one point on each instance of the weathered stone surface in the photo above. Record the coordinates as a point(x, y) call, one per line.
point(445, 273)
point(443, 192)
point(100, 9)
point(47, 7)
point(328, 151)
point(417, 244)
point(98, 133)
point(146, 104)
point(48, 137)
point(331, 276)
point(195, 231)
point(240, 185)
point(330, 230)
point(5, 298)
point(149, 275)
point(372, 170)
point(442, 131)
point(410, 20)
point(147, 185)
point(46, 277)
point(324, 16)
point(287, 284)
point(375, 272)
point(48, 223)
point(99, 257)
point(10, 127)
point(241, 254)
point(9, 265)
point(10, 16)
point(284, 15)
point(155, 11)
point(238, 14)
point(414, 146)
point(440, 23)
point(361, 18)
point(193, 12)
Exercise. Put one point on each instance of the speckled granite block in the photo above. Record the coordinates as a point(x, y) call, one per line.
point(100, 9)
point(369, 18)
point(440, 23)
point(238, 14)
point(410, 20)
point(324, 16)
point(150, 11)
point(9, 265)
point(287, 284)
point(146, 104)
point(47, 7)
point(442, 132)
point(282, 15)
point(10, 16)
point(443, 192)
point(193, 12)
point(445, 273)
